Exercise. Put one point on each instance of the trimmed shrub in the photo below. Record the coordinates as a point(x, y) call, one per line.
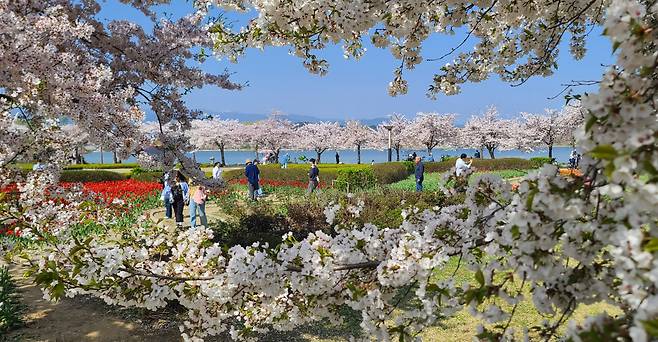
point(147, 176)
point(101, 166)
point(355, 179)
point(275, 172)
point(10, 303)
point(390, 172)
point(540, 161)
point(82, 176)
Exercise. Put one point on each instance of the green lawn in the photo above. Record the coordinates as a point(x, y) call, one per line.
point(432, 180)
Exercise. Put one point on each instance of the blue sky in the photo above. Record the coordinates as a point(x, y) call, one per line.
point(358, 89)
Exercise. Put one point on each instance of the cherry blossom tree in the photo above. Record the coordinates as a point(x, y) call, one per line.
point(552, 127)
point(558, 242)
point(73, 63)
point(318, 137)
point(490, 132)
point(217, 133)
point(401, 132)
point(273, 134)
point(357, 135)
point(433, 129)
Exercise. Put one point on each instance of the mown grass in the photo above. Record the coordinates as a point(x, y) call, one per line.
point(433, 180)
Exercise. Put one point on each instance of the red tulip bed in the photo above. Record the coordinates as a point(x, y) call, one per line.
point(121, 196)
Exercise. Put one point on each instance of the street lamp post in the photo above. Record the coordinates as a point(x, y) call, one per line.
point(390, 151)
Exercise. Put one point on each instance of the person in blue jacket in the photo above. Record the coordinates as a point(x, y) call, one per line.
point(420, 174)
point(252, 174)
point(285, 161)
point(166, 195)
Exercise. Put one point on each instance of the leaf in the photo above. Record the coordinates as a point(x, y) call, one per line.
point(58, 290)
point(530, 199)
point(590, 122)
point(651, 246)
point(651, 327)
point(605, 152)
point(615, 46)
point(479, 276)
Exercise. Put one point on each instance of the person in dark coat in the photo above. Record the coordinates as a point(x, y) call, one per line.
point(420, 174)
point(337, 158)
point(180, 196)
point(252, 173)
point(313, 177)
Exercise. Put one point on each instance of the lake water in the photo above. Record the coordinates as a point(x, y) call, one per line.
point(349, 156)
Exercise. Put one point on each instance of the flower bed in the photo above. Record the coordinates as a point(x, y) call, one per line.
point(124, 189)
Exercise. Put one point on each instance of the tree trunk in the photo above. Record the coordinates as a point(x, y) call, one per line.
point(491, 152)
point(276, 156)
point(221, 152)
point(358, 154)
point(550, 151)
point(77, 156)
point(115, 157)
point(397, 154)
point(429, 150)
point(102, 155)
point(481, 152)
point(319, 154)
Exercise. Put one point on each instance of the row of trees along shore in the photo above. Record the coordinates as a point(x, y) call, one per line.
point(427, 131)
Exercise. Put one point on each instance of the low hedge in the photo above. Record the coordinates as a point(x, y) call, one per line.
point(540, 161)
point(75, 176)
point(391, 172)
point(275, 172)
point(101, 166)
point(385, 173)
point(483, 164)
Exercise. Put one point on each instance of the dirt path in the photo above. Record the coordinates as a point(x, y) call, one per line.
point(85, 319)
point(90, 319)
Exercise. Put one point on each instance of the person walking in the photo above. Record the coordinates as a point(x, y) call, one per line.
point(420, 174)
point(198, 202)
point(313, 177)
point(166, 195)
point(259, 191)
point(461, 166)
point(217, 171)
point(252, 173)
point(572, 158)
point(180, 195)
point(285, 161)
point(337, 158)
point(476, 155)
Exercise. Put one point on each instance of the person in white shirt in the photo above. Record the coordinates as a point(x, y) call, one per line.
point(461, 166)
point(217, 171)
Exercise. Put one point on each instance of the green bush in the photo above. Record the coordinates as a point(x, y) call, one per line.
point(384, 208)
point(275, 172)
point(147, 176)
point(540, 161)
point(384, 173)
point(74, 176)
point(101, 166)
point(410, 166)
point(10, 303)
point(483, 164)
point(390, 172)
point(355, 179)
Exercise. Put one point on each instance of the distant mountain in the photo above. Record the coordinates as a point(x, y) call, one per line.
point(297, 118)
